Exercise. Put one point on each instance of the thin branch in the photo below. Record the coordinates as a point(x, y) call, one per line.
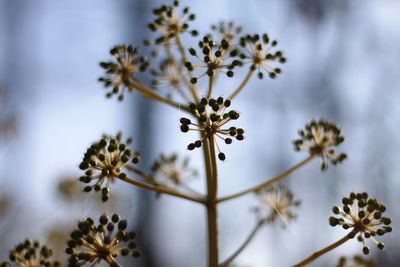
point(269, 182)
point(242, 85)
point(162, 190)
point(252, 234)
point(321, 252)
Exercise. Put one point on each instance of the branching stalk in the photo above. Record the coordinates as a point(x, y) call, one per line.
point(242, 85)
point(323, 251)
point(269, 182)
point(163, 190)
point(252, 234)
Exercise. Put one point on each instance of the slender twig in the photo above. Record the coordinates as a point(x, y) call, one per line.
point(252, 234)
point(269, 182)
point(242, 85)
point(321, 252)
point(156, 182)
point(162, 190)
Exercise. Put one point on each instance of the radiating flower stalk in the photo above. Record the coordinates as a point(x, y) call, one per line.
point(277, 203)
point(180, 70)
point(93, 243)
point(363, 216)
point(170, 170)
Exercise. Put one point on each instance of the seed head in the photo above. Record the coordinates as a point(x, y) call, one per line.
point(256, 51)
point(91, 243)
point(169, 76)
point(212, 59)
point(364, 216)
point(276, 203)
point(120, 74)
point(172, 170)
point(103, 163)
point(31, 254)
point(169, 22)
point(212, 117)
point(320, 138)
point(226, 30)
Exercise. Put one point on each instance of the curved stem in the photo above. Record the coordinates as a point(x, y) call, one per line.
point(242, 85)
point(163, 190)
point(321, 252)
point(252, 234)
point(269, 182)
point(184, 60)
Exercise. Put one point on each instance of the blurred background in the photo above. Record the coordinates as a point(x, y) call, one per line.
point(343, 65)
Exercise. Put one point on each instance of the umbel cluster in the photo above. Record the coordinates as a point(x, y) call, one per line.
point(191, 80)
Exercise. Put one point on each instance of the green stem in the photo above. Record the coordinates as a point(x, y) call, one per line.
point(242, 85)
point(162, 190)
point(269, 182)
point(321, 252)
point(252, 234)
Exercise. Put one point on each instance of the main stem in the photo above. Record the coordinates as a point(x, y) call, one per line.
point(321, 252)
point(212, 217)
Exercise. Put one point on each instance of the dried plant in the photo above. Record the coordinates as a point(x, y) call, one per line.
point(189, 79)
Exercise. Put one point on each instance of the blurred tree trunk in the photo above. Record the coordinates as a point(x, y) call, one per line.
point(137, 15)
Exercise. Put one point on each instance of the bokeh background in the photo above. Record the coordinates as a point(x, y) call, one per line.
point(343, 65)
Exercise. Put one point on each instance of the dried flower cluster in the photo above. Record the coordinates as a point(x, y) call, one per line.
point(180, 68)
point(364, 216)
point(257, 52)
point(212, 117)
point(213, 58)
point(171, 21)
point(104, 161)
point(319, 138)
point(169, 169)
point(31, 254)
point(120, 74)
point(92, 244)
point(277, 203)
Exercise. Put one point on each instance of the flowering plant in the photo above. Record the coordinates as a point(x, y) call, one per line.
point(186, 78)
